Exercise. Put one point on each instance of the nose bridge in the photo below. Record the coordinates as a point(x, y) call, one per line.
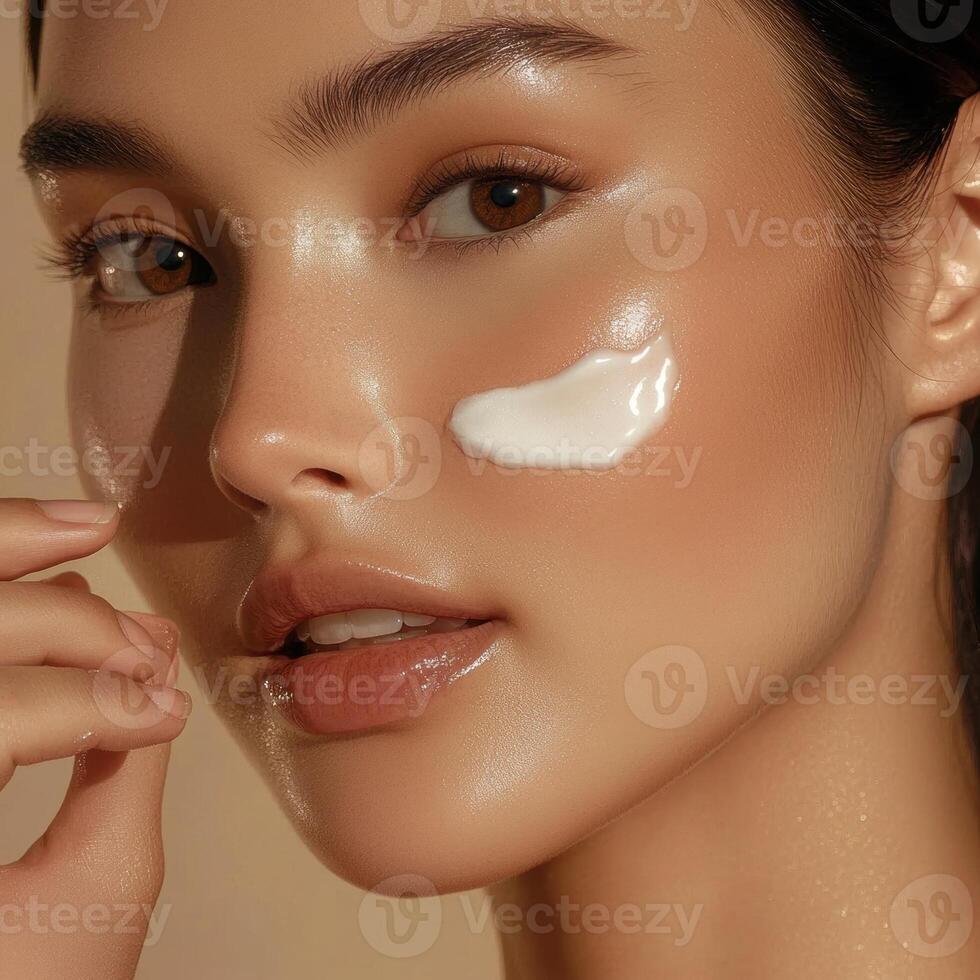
point(304, 395)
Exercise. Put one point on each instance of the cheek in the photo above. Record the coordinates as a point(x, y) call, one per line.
point(120, 382)
point(144, 395)
point(143, 401)
point(724, 532)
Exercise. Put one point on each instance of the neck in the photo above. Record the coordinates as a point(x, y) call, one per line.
point(805, 845)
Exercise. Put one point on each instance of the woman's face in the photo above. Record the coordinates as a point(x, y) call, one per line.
point(330, 335)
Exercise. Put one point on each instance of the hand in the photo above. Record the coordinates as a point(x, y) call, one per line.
point(78, 678)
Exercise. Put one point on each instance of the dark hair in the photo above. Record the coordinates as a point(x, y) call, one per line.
point(882, 90)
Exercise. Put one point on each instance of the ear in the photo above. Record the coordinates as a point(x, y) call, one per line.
point(935, 325)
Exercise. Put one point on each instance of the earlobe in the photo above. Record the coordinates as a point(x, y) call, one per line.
point(940, 341)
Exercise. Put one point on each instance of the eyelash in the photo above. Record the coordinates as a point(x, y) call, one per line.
point(72, 257)
point(556, 173)
point(559, 174)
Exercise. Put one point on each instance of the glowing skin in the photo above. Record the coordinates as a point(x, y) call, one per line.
point(586, 417)
point(789, 551)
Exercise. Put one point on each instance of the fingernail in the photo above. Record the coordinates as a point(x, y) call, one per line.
point(173, 671)
point(157, 669)
point(163, 632)
point(169, 700)
point(137, 636)
point(79, 511)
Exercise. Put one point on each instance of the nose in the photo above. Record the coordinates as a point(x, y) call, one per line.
point(305, 415)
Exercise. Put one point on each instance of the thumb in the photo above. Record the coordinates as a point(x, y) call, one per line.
point(107, 836)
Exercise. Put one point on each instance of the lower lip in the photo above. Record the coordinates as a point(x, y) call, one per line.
point(372, 686)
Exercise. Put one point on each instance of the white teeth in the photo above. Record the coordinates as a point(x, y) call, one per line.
point(381, 640)
point(354, 627)
point(374, 622)
point(416, 619)
point(330, 629)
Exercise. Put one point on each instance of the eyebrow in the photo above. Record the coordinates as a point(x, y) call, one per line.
point(332, 110)
point(58, 142)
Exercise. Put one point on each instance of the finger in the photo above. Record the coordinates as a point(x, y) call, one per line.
point(54, 712)
point(69, 580)
point(51, 625)
point(108, 827)
point(36, 534)
point(166, 635)
point(103, 849)
point(111, 811)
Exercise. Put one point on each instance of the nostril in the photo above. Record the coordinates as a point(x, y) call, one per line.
point(318, 479)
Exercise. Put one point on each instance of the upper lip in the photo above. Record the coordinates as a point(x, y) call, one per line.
point(283, 596)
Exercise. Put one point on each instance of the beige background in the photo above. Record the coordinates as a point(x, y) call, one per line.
point(247, 900)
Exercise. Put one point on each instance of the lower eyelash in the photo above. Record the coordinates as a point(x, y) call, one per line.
point(518, 236)
point(464, 246)
point(106, 310)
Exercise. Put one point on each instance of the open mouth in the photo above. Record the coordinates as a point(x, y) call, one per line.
point(366, 627)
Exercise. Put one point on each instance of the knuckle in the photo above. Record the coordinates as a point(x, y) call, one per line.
point(12, 703)
point(54, 603)
point(91, 605)
point(10, 699)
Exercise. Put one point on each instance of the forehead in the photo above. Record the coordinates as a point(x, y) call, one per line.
point(181, 60)
point(246, 54)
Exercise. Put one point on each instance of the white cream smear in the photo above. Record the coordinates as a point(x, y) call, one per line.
point(588, 416)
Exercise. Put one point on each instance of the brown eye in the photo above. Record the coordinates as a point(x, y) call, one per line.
point(142, 267)
point(169, 267)
point(506, 202)
point(484, 207)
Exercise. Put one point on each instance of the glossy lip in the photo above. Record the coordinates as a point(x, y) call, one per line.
point(283, 596)
point(359, 688)
point(368, 687)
